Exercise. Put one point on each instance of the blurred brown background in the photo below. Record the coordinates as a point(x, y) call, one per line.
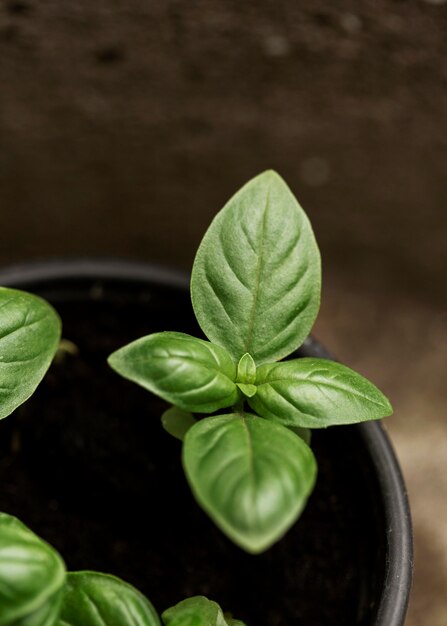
point(126, 124)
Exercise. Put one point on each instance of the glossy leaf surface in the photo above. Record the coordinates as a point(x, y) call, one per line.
point(316, 393)
point(246, 370)
point(93, 599)
point(248, 390)
point(45, 615)
point(193, 374)
point(29, 336)
point(256, 278)
point(195, 611)
point(31, 576)
point(177, 422)
point(250, 475)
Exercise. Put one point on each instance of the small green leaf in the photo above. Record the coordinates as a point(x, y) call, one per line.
point(315, 393)
point(29, 336)
point(255, 284)
point(93, 599)
point(177, 422)
point(250, 475)
point(32, 575)
point(247, 390)
point(246, 369)
point(195, 611)
point(193, 374)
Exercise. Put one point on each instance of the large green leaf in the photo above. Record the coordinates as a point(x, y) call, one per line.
point(255, 284)
point(32, 575)
point(29, 335)
point(93, 599)
point(45, 615)
point(316, 393)
point(196, 611)
point(250, 475)
point(193, 374)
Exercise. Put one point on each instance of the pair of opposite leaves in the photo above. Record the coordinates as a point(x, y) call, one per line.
point(36, 590)
point(255, 290)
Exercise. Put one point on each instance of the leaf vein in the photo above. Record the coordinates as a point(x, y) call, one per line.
point(247, 238)
point(257, 286)
point(94, 607)
point(22, 326)
point(286, 328)
point(320, 384)
point(229, 265)
point(216, 295)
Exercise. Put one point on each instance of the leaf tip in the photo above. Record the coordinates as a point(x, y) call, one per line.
point(388, 407)
point(114, 360)
point(270, 176)
point(247, 389)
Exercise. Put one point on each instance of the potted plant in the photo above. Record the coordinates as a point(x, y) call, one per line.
point(107, 506)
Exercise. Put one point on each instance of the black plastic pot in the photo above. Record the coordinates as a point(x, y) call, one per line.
point(373, 514)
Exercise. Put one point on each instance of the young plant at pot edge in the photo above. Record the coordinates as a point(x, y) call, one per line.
point(36, 590)
point(255, 290)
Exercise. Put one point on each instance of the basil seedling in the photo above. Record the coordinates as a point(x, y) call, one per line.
point(35, 590)
point(255, 290)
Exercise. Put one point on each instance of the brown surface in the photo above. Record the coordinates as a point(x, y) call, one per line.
point(409, 364)
point(124, 126)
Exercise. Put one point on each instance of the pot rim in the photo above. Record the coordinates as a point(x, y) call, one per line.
point(395, 594)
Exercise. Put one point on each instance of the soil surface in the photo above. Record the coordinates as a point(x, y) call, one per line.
point(86, 464)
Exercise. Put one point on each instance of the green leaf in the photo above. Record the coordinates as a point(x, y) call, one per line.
point(46, 615)
point(255, 284)
point(177, 422)
point(195, 611)
point(93, 599)
point(193, 374)
point(29, 336)
point(246, 370)
point(247, 390)
point(250, 475)
point(315, 393)
point(32, 575)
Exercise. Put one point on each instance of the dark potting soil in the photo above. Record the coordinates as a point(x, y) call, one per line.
point(86, 464)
